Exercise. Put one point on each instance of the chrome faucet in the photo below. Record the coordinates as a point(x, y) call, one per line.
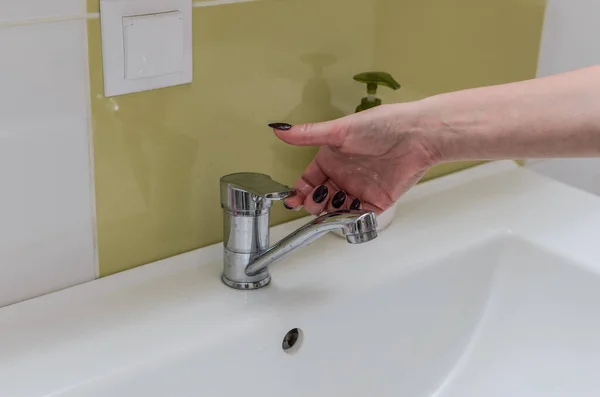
point(246, 199)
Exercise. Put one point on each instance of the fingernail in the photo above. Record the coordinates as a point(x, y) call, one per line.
point(355, 204)
point(280, 126)
point(287, 206)
point(338, 199)
point(320, 194)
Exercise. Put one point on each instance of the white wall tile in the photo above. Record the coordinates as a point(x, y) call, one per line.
point(46, 228)
point(570, 41)
point(18, 10)
point(570, 36)
point(580, 173)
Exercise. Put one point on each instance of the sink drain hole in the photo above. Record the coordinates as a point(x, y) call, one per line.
point(292, 340)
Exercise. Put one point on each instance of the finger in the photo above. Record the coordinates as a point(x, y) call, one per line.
point(350, 203)
point(327, 133)
point(339, 201)
point(294, 203)
point(318, 200)
point(312, 177)
point(355, 203)
point(302, 190)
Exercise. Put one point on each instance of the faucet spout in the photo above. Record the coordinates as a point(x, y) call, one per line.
point(246, 200)
point(358, 226)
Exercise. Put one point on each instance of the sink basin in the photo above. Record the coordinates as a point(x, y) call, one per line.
point(487, 284)
point(502, 318)
point(538, 333)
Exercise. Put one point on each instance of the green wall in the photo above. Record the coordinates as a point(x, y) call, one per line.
point(159, 154)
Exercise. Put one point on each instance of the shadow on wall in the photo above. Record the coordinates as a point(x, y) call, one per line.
point(159, 154)
point(316, 105)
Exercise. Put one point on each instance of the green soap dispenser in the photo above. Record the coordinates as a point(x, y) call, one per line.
point(373, 80)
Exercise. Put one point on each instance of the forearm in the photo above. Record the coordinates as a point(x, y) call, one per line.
point(556, 116)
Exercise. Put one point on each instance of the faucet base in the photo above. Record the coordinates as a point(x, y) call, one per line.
point(246, 285)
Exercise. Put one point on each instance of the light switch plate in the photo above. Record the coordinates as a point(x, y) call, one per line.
point(124, 52)
point(153, 44)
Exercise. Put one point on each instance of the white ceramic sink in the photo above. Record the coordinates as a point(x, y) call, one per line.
point(487, 284)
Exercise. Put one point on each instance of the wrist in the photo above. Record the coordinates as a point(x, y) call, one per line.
point(426, 126)
point(451, 130)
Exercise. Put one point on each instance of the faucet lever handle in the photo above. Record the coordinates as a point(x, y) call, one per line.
point(259, 185)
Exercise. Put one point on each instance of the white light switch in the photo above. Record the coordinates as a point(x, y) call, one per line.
point(146, 44)
point(153, 44)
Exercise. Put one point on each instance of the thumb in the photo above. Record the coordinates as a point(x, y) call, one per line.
point(327, 133)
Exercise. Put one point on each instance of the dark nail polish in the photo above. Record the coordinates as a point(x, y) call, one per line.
point(320, 194)
point(287, 206)
point(355, 204)
point(338, 199)
point(280, 126)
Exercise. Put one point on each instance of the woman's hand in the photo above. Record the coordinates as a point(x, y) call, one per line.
point(370, 158)
point(367, 160)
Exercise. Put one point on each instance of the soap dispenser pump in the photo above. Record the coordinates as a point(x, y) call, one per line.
point(374, 80)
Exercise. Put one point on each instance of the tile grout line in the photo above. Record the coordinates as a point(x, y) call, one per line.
point(89, 119)
point(212, 3)
point(90, 133)
point(96, 15)
point(31, 21)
